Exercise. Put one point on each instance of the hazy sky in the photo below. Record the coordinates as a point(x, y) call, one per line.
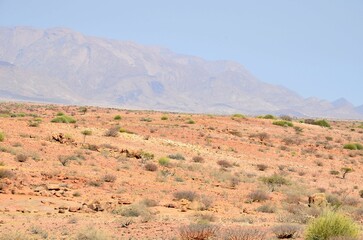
point(314, 47)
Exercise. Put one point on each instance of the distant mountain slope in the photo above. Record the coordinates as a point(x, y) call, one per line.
point(63, 66)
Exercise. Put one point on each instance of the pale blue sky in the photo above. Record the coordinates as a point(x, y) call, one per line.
point(314, 47)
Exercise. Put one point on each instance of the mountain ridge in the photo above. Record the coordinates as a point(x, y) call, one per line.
point(91, 70)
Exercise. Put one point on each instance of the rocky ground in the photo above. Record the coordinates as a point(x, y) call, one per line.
point(123, 174)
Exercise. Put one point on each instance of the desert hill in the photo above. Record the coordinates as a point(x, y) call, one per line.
point(69, 172)
point(59, 65)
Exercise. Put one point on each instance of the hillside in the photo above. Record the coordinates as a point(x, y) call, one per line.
point(126, 174)
point(62, 66)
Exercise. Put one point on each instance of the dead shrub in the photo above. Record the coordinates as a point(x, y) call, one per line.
point(262, 167)
point(113, 131)
point(197, 232)
point(21, 157)
point(286, 231)
point(258, 196)
point(198, 159)
point(188, 195)
point(152, 167)
point(4, 173)
point(109, 178)
point(225, 163)
point(240, 233)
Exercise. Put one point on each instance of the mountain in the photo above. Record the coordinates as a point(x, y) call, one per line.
point(62, 66)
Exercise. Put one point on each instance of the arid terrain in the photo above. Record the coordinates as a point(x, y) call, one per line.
point(125, 174)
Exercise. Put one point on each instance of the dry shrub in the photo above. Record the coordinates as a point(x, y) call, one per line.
point(113, 131)
point(225, 163)
point(286, 231)
point(152, 167)
point(188, 195)
point(240, 233)
point(109, 178)
point(258, 196)
point(206, 201)
point(4, 173)
point(198, 232)
point(267, 208)
point(21, 158)
point(262, 167)
point(351, 201)
point(198, 159)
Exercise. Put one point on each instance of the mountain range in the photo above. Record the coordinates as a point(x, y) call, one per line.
point(59, 65)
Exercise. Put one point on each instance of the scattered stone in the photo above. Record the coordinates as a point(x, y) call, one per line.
point(53, 186)
point(74, 209)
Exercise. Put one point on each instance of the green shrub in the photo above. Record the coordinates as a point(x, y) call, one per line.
point(164, 161)
point(274, 180)
point(238, 116)
point(322, 123)
point(283, 123)
point(117, 117)
point(191, 121)
point(353, 146)
point(331, 224)
point(2, 136)
point(63, 119)
point(164, 117)
point(268, 116)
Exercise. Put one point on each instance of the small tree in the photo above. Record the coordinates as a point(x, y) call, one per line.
point(86, 133)
point(345, 171)
point(274, 180)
